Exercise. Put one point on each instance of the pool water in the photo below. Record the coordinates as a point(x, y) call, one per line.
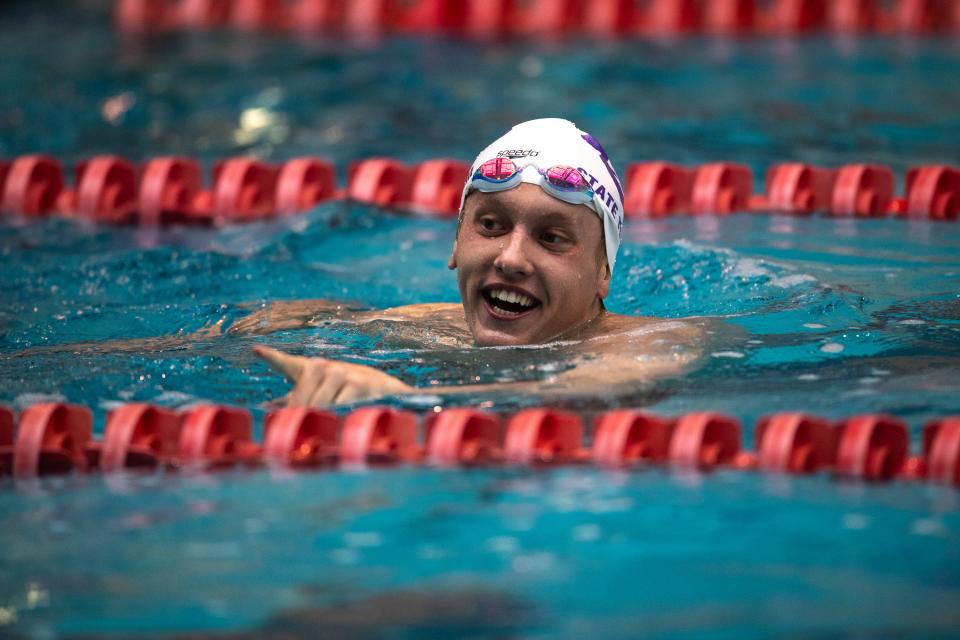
point(830, 316)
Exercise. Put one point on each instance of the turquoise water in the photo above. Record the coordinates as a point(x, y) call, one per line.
point(834, 317)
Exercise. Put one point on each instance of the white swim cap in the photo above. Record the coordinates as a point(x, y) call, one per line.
point(549, 142)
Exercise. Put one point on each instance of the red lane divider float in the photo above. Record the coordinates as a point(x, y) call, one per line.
point(657, 189)
point(55, 438)
point(941, 450)
point(137, 435)
point(547, 18)
point(463, 436)
point(170, 190)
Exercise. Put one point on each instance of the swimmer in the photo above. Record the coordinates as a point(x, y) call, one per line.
point(537, 238)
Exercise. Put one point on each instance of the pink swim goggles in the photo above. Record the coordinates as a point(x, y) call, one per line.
point(560, 181)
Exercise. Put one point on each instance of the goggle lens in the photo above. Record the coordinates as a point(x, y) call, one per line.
point(498, 169)
point(566, 178)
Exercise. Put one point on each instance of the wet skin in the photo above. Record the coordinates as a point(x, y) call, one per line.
point(531, 270)
point(520, 241)
point(525, 242)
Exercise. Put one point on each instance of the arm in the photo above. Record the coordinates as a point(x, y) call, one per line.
point(608, 369)
point(289, 314)
point(266, 318)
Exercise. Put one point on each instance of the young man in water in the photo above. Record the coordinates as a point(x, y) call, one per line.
point(540, 221)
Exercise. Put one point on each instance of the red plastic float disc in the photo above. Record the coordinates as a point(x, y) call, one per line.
point(610, 18)
point(433, 16)
point(862, 190)
point(626, 436)
point(437, 185)
point(242, 190)
point(139, 435)
point(794, 443)
point(138, 16)
point(730, 17)
point(797, 187)
point(871, 447)
point(106, 190)
point(300, 437)
point(853, 16)
point(704, 440)
point(491, 18)
point(257, 15)
point(543, 436)
point(379, 181)
point(933, 192)
point(656, 189)
point(215, 435)
point(671, 17)
point(370, 16)
point(316, 15)
point(549, 17)
point(721, 188)
point(302, 184)
point(922, 16)
point(51, 438)
point(464, 436)
point(941, 450)
point(33, 185)
point(379, 434)
point(796, 16)
point(167, 189)
point(202, 14)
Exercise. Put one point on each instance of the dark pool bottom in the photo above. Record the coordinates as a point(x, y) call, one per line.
point(418, 552)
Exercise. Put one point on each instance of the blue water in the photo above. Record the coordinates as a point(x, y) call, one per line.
point(829, 316)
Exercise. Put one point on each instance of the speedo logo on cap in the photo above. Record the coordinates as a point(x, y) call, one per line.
point(518, 153)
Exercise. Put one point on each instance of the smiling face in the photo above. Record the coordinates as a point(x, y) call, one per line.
point(530, 267)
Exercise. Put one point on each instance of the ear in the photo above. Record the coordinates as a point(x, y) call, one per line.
point(603, 286)
point(452, 262)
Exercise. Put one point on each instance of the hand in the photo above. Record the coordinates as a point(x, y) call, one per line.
point(319, 382)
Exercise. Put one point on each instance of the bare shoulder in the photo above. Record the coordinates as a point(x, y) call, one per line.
point(625, 330)
point(629, 350)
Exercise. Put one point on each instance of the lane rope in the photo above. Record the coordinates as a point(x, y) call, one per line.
point(549, 19)
point(170, 190)
point(52, 438)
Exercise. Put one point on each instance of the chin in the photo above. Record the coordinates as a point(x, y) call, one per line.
point(485, 338)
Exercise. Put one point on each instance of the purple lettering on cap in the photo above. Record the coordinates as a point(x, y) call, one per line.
point(606, 161)
point(586, 174)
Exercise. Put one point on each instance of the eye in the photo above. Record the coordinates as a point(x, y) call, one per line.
point(554, 239)
point(489, 224)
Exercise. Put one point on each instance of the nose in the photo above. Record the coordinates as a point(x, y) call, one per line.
point(513, 259)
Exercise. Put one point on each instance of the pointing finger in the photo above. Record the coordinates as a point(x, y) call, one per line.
point(287, 364)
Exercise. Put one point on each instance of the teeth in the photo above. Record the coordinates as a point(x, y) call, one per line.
point(511, 296)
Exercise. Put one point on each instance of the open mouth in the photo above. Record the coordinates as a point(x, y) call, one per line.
point(508, 303)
